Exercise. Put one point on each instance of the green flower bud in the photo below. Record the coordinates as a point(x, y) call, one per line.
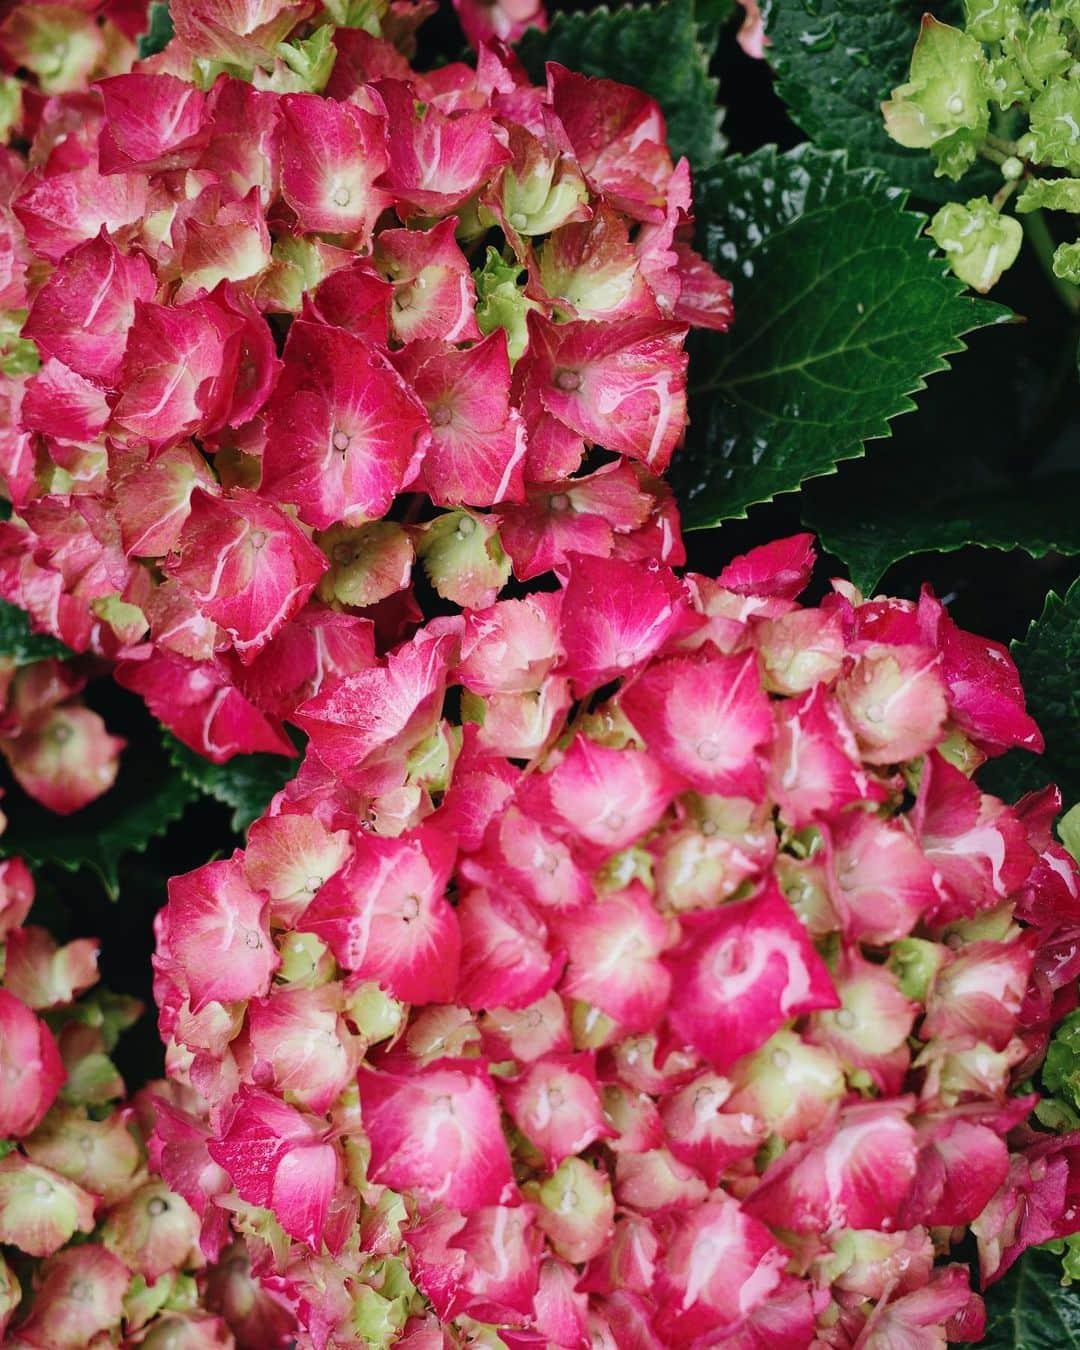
point(367, 562)
point(1067, 262)
point(1055, 126)
point(463, 558)
point(305, 960)
point(310, 60)
point(1061, 1068)
point(576, 1209)
point(1042, 51)
point(365, 14)
point(502, 303)
point(1053, 194)
point(10, 105)
point(591, 1028)
point(978, 241)
point(915, 963)
point(990, 20)
point(430, 763)
point(1068, 829)
point(1012, 169)
point(376, 1321)
point(375, 1015)
point(18, 355)
point(945, 105)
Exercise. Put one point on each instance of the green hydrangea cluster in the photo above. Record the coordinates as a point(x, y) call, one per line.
point(1006, 88)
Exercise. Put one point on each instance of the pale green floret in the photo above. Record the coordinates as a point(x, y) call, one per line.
point(502, 303)
point(309, 63)
point(1067, 262)
point(1055, 194)
point(945, 105)
point(1043, 51)
point(462, 555)
point(544, 198)
point(1068, 829)
point(1055, 126)
point(10, 104)
point(979, 243)
point(915, 963)
point(990, 20)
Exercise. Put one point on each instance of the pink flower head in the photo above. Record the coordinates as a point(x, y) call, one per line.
point(556, 1104)
point(740, 973)
point(622, 385)
point(82, 313)
point(32, 1071)
point(615, 616)
point(346, 434)
point(65, 759)
point(200, 707)
point(433, 295)
point(436, 159)
point(367, 724)
point(619, 138)
point(477, 449)
point(894, 697)
point(505, 956)
point(719, 1264)
point(218, 934)
point(614, 948)
point(331, 156)
point(976, 845)
point(437, 1134)
point(152, 123)
point(707, 717)
point(245, 565)
point(278, 1158)
point(883, 883)
point(485, 1265)
point(854, 1174)
point(603, 799)
point(385, 916)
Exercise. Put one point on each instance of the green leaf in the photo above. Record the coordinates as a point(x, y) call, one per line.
point(841, 310)
point(127, 819)
point(655, 48)
point(160, 32)
point(1049, 663)
point(19, 643)
point(836, 62)
point(1029, 1309)
point(1039, 517)
point(245, 782)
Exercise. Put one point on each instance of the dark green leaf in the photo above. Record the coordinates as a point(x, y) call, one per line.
point(841, 310)
point(1039, 517)
point(125, 820)
point(160, 32)
point(1049, 663)
point(245, 782)
point(710, 17)
point(836, 61)
point(18, 642)
point(654, 47)
point(1028, 1309)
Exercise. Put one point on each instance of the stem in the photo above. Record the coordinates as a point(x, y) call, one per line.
point(1001, 145)
point(994, 156)
point(1002, 195)
point(1042, 241)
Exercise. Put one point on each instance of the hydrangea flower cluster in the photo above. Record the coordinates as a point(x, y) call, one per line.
point(98, 1251)
point(57, 750)
point(306, 316)
point(1013, 62)
point(682, 991)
